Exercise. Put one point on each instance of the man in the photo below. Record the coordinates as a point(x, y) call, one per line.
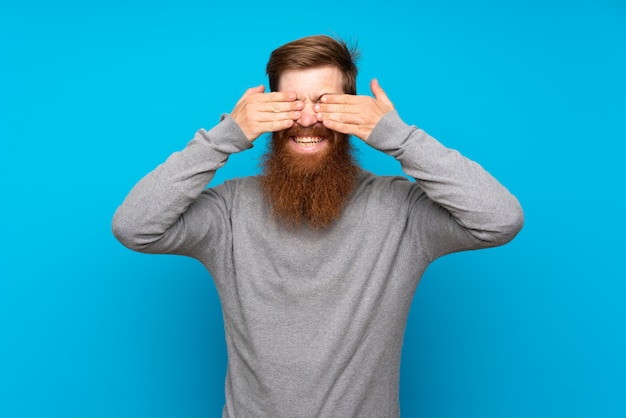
point(315, 260)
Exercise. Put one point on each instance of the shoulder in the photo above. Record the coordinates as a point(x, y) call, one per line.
point(371, 182)
point(237, 185)
point(386, 190)
point(235, 191)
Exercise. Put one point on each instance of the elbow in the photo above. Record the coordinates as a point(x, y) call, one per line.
point(134, 234)
point(510, 222)
point(500, 226)
point(124, 232)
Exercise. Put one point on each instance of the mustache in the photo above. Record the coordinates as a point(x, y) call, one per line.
point(315, 130)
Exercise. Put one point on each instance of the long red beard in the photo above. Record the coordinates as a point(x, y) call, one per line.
point(308, 189)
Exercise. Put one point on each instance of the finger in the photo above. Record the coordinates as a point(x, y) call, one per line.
point(278, 125)
point(341, 127)
point(261, 127)
point(335, 104)
point(253, 90)
point(342, 117)
point(281, 107)
point(282, 125)
point(279, 96)
point(379, 93)
point(336, 109)
point(249, 92)
point(358, 112)
point(269, 111)
point(360, 131)
point(338, 98)
point(269, 116)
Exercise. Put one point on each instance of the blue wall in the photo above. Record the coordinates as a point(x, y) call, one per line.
point(93, 95)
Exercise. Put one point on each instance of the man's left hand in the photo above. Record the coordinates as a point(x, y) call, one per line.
point(353, 115)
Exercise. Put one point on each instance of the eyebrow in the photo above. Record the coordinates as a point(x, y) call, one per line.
point(317, 98)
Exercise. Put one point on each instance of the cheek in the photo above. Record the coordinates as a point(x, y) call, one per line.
point(339, 140)
point(279, 140)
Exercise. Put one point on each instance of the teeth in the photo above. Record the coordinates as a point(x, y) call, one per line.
point(308, 140)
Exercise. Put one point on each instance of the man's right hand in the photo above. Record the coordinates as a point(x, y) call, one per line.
point(258, 112)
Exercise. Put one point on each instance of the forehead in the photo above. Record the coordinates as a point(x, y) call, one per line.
point(312, 81)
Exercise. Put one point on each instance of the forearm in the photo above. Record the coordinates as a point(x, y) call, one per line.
point(153, 207)
point(474, 198)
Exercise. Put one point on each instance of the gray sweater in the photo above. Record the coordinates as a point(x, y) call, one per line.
point(315, 320)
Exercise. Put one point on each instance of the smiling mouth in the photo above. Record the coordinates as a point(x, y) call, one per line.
point(307, 141)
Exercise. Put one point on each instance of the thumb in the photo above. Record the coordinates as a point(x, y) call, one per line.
point(379, 93)
point(252, 90)
point(258, 89)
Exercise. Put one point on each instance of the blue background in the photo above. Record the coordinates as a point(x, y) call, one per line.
point(93, 95)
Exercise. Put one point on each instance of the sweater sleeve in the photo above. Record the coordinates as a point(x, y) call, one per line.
point(467, 208)
point(158, 215)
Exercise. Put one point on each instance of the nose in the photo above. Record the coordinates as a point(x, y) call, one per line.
point(307, 115)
